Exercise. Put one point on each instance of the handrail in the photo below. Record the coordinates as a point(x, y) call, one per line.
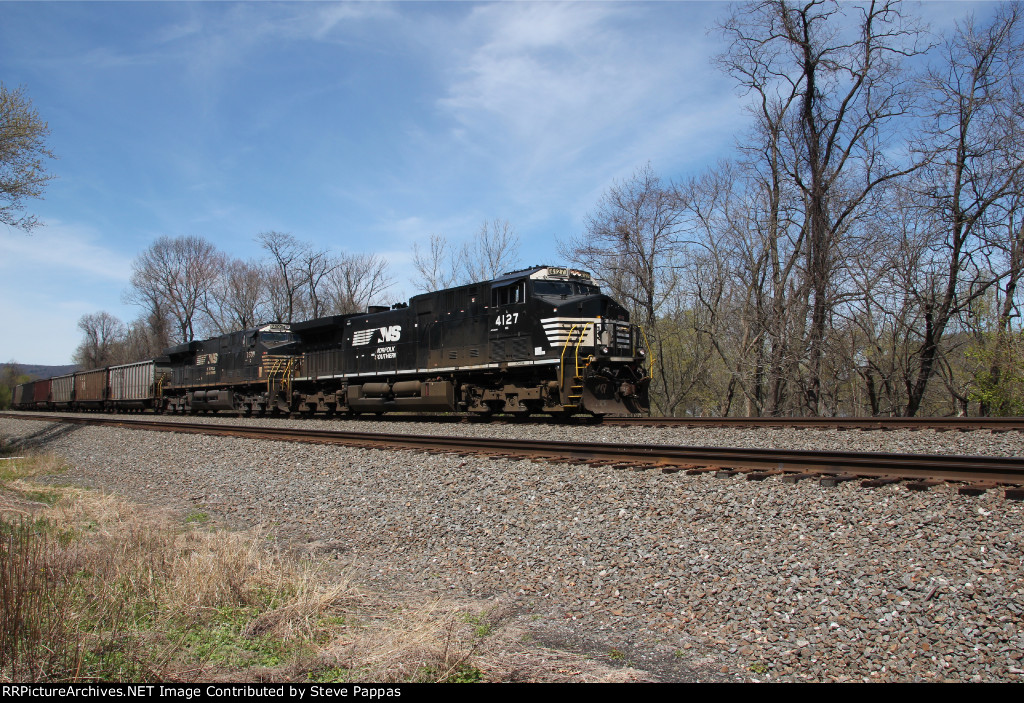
point(577, 369)
point(282, 365)
point(561, 365)
point(579, 341)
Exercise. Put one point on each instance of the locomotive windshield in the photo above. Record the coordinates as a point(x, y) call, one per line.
point(565, 288)
point(274, 339)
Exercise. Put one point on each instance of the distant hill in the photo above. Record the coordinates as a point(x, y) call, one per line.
point(40, 371)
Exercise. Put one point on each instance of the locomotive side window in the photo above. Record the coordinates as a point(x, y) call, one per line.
point(509, 295)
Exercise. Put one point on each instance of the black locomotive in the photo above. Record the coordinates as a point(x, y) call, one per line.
point(539, 340)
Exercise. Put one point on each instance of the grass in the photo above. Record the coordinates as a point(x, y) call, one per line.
point(93, 588)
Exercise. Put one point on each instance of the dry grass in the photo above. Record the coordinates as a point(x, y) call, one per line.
point(95, 588)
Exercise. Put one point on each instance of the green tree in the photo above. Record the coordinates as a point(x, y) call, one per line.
point(10, 376)
point(998, 383)
point(23, 156)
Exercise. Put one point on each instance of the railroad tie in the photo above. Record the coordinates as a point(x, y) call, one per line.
point(879, 482)
point(922, 485)
point(675, 468)
point(633, 466)
point(975, 489)
point(833, 481)
point(762, 475)
point(796, 478)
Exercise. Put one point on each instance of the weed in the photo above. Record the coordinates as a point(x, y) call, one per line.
point(465, 674)
point(47, 497)
point(36, 634)
point(460, 673)
point(197, 517)
point(482, 628)
point(759, 668)
point(616, 654)
point(334, 674)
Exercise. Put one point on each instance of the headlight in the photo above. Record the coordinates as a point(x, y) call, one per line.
point(641, 352)
point(604, 351)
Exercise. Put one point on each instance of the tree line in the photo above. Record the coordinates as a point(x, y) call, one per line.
point(187, 289)
point(858, 254)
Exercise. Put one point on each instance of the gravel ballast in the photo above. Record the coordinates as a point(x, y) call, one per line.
point(689, 576)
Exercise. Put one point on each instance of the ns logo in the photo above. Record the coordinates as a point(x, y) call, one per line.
point(387, 334)
point(391, 334)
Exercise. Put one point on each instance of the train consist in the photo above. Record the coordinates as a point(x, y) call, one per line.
point(539, 340)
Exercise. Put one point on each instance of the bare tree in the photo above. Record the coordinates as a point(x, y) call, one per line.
point(494, 250)
point(284, 274)
point(975, 151)
point(634, 245)
point(23, 155)
point(436, 269)
point(144, 338)
point(356, 282)
point(316, 266)
point(827, 77)
point(633, 242)
point(173, 278)
point(238, 300)
point(101, 346)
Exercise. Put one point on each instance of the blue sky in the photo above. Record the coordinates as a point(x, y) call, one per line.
point(365, 127)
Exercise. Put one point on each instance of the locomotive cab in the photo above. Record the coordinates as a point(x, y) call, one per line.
point(558, 316)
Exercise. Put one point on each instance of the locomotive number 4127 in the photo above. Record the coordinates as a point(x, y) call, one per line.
point(509, 318)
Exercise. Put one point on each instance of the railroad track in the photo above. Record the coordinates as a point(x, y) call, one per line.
point(974, 474)
point(960, 424)
point(941, 424)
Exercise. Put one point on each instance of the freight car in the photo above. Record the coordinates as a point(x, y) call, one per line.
point(127, 387)
point(539, 340)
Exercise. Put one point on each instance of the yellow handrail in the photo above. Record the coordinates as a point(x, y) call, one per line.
point(561, 365)
point(579, 341)
point(576, 360)
point(282, 365)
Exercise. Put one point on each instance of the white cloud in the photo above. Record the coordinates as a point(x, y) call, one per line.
point(60, 249)
point(586, 91)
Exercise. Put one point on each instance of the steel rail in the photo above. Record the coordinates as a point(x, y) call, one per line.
point(974, 469)
point(999, 424)
point(961, 424)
